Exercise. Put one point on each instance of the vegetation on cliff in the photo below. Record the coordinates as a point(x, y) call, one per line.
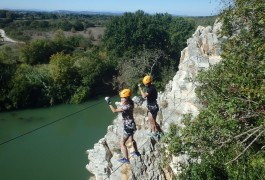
point(226, 140)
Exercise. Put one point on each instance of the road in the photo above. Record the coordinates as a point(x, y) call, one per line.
point(6, 39)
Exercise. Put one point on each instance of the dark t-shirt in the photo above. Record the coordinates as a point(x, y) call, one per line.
point(152, 95)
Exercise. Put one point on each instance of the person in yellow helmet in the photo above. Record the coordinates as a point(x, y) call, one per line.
point(128, 122)
point(153, 108)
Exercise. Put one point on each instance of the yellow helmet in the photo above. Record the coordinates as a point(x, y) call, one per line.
point(147, 79)
point(125, 93)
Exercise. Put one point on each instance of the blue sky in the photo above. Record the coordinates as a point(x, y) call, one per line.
point(178, 7)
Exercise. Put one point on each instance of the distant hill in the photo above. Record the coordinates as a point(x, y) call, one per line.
point(87, 12)
point(67, 11)
point(82, 12)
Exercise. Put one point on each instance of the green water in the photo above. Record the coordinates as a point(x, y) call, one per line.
point(57, 151)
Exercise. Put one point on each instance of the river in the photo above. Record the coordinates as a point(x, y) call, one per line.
point(57, 151)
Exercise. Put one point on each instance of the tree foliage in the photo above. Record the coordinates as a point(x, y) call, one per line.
point(28, 87)
point(39, 51)
point(226, 140)
point(151, 62)
point(63, 78)
point(134, 32)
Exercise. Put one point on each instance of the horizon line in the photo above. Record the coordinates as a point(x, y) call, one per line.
point(102, 11)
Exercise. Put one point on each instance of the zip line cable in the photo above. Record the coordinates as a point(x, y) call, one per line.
point(151, 137)
point(2, 143)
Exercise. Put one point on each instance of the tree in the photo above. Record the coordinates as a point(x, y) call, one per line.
point(151, 62)
point(3, 13)
point(37, 51)
point(126, 35)
point(131, 32)
point(74, 76)
point(179, 30)
point(7, 71)
point(64, 25)
point(78, 26)
point(65, 77)
point(28, 87)
point(59, 34)
point(10, 15)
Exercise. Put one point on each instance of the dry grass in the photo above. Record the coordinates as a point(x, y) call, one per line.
point(92, 32)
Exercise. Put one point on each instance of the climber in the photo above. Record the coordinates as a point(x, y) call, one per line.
point(152, 106)
point(127, 106)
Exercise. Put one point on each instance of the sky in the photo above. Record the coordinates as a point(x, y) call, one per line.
point(174, 7)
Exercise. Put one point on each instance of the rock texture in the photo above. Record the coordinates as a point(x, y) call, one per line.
point(179, 98)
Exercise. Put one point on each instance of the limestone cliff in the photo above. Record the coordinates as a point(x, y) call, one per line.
point(179, 98)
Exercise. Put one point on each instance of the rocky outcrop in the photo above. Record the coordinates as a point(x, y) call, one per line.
point(179, 98)
point(203, 50)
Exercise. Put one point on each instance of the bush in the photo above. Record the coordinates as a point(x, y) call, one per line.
point(81, 94)
point(39, 51)
point(29, 86)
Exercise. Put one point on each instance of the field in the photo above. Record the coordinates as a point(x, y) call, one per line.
point(94, 33)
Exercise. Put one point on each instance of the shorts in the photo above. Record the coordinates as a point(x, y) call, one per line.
point(129, 131)
point(153, 109)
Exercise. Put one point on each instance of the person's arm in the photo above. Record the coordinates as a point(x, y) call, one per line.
point(144, 94)
point(115, 110)
point(107, 99)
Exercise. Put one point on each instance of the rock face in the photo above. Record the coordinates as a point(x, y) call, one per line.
point(179, 98)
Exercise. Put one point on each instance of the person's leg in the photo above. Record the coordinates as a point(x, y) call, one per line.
point(123, 146)
point(135, 152)
point(152, 122)
point(134, 143)
point(158, 128)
